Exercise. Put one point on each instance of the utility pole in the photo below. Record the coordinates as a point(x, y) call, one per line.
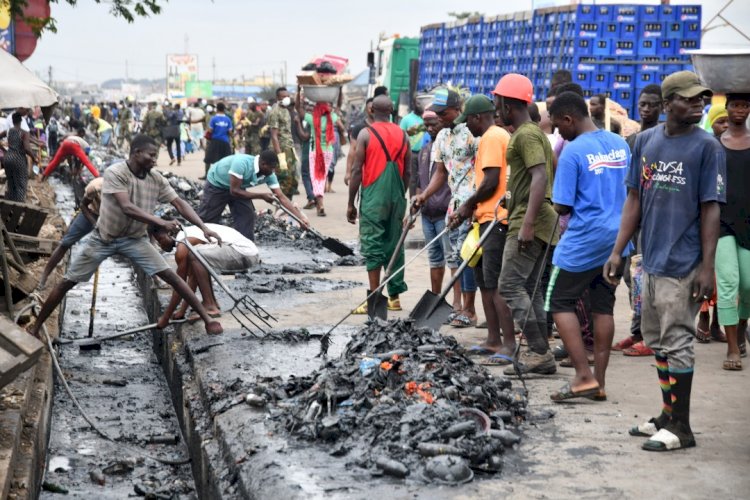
point(49, 76)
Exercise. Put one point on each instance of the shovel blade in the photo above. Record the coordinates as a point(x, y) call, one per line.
point(431, 311)
point(377, 306)
point(337, 247)
point(90, 345)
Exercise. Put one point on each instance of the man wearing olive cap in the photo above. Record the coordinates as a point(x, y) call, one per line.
point(675, 185)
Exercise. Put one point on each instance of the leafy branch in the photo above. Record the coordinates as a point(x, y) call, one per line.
point(126, 9)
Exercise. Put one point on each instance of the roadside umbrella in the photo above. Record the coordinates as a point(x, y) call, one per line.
point(19, 87)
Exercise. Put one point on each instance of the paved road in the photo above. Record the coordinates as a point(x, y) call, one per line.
point(585, 451)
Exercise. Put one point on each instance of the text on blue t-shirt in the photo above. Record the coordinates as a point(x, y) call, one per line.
point(673, 176)
point(590, 178)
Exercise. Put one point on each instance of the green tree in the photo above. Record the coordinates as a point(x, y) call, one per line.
point(127, 9)
point(464, 15)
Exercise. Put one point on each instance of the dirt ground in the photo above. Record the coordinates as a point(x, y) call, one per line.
point(584, 451)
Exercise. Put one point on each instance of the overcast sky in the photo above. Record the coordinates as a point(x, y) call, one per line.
point(254, 36)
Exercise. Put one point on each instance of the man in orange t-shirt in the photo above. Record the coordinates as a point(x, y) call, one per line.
point(491, 173)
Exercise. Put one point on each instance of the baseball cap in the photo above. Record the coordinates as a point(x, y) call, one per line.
point(685, 84)
point(445, 99)
point(475, 105)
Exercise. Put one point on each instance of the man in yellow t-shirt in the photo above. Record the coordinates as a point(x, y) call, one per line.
point(490, 175)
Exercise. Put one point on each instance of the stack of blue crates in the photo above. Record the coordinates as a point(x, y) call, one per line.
point(614, 50)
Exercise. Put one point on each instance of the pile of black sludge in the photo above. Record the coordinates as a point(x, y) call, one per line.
point(405, 402)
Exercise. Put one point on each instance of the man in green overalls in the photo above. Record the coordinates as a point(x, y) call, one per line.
point(382, 151)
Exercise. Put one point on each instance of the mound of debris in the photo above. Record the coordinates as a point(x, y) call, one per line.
point(279, 231)
point(402, 402)
point(260, 283)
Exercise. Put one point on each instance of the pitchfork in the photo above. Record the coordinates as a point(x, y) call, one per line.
point(244, 307)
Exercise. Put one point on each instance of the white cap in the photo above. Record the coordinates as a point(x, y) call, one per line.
point(209, 108)
point(250, 100)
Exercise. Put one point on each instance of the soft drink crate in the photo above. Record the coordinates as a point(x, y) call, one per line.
point(644, 78)
point(667, 13)
point(651, 29)
point(589, 29)
point(629, 31)
point(646, 47)
point(609, 30)
point(603, 47)
point(666, 47)
point(584, 46)
point(622, 82)
point(588, 13)
point(583, 78)
point(624, 96)
point(674, 29)
point(601, 79)
point(625, 13)
point(691, 30)
point(689, 12)
point(686, 45)
point(624, 48)
point(648, 13)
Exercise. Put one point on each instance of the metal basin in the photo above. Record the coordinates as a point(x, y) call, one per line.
point(723, 70)
point(321, 93)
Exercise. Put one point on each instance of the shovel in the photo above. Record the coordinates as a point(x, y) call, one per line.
point(324, 341)
point(90, 344)
point(331, 244)
point(432, 310)
point(92, 311)
point(377, 305)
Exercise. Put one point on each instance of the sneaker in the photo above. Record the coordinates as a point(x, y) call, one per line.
point(532, 362)
point(638, 349)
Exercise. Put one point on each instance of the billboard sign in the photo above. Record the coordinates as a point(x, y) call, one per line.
point(6, 28)
point(199, 88)
point(181, 68)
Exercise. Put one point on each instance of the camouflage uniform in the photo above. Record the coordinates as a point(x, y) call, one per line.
point(123, 131)
point(281, 119)
point(252, 133)
point(152, 125)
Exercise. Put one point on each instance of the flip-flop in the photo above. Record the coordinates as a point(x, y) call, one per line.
point(666, 440)
point(462, 321)
point(566, 393)
point(478, 350)
point(497, 359)
point(702, 336)
point(732, 365)
point(600, 396)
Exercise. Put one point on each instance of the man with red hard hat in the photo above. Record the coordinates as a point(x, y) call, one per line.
point(531, 220)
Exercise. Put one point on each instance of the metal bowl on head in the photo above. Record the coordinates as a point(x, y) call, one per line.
point(321, 93)
point(723, 70)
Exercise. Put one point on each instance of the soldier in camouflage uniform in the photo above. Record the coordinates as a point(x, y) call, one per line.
point(252, 130)
point(153, 122)
point(124, 119)
point(280, 124)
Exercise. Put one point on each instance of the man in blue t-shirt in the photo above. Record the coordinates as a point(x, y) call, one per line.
point(589, 185)
point(675, 185)
point(220, 144)
point(226, 184)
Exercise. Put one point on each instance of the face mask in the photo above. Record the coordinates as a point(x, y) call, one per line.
point(286, 101)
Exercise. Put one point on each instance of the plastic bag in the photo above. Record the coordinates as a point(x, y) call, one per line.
point(471, 243)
